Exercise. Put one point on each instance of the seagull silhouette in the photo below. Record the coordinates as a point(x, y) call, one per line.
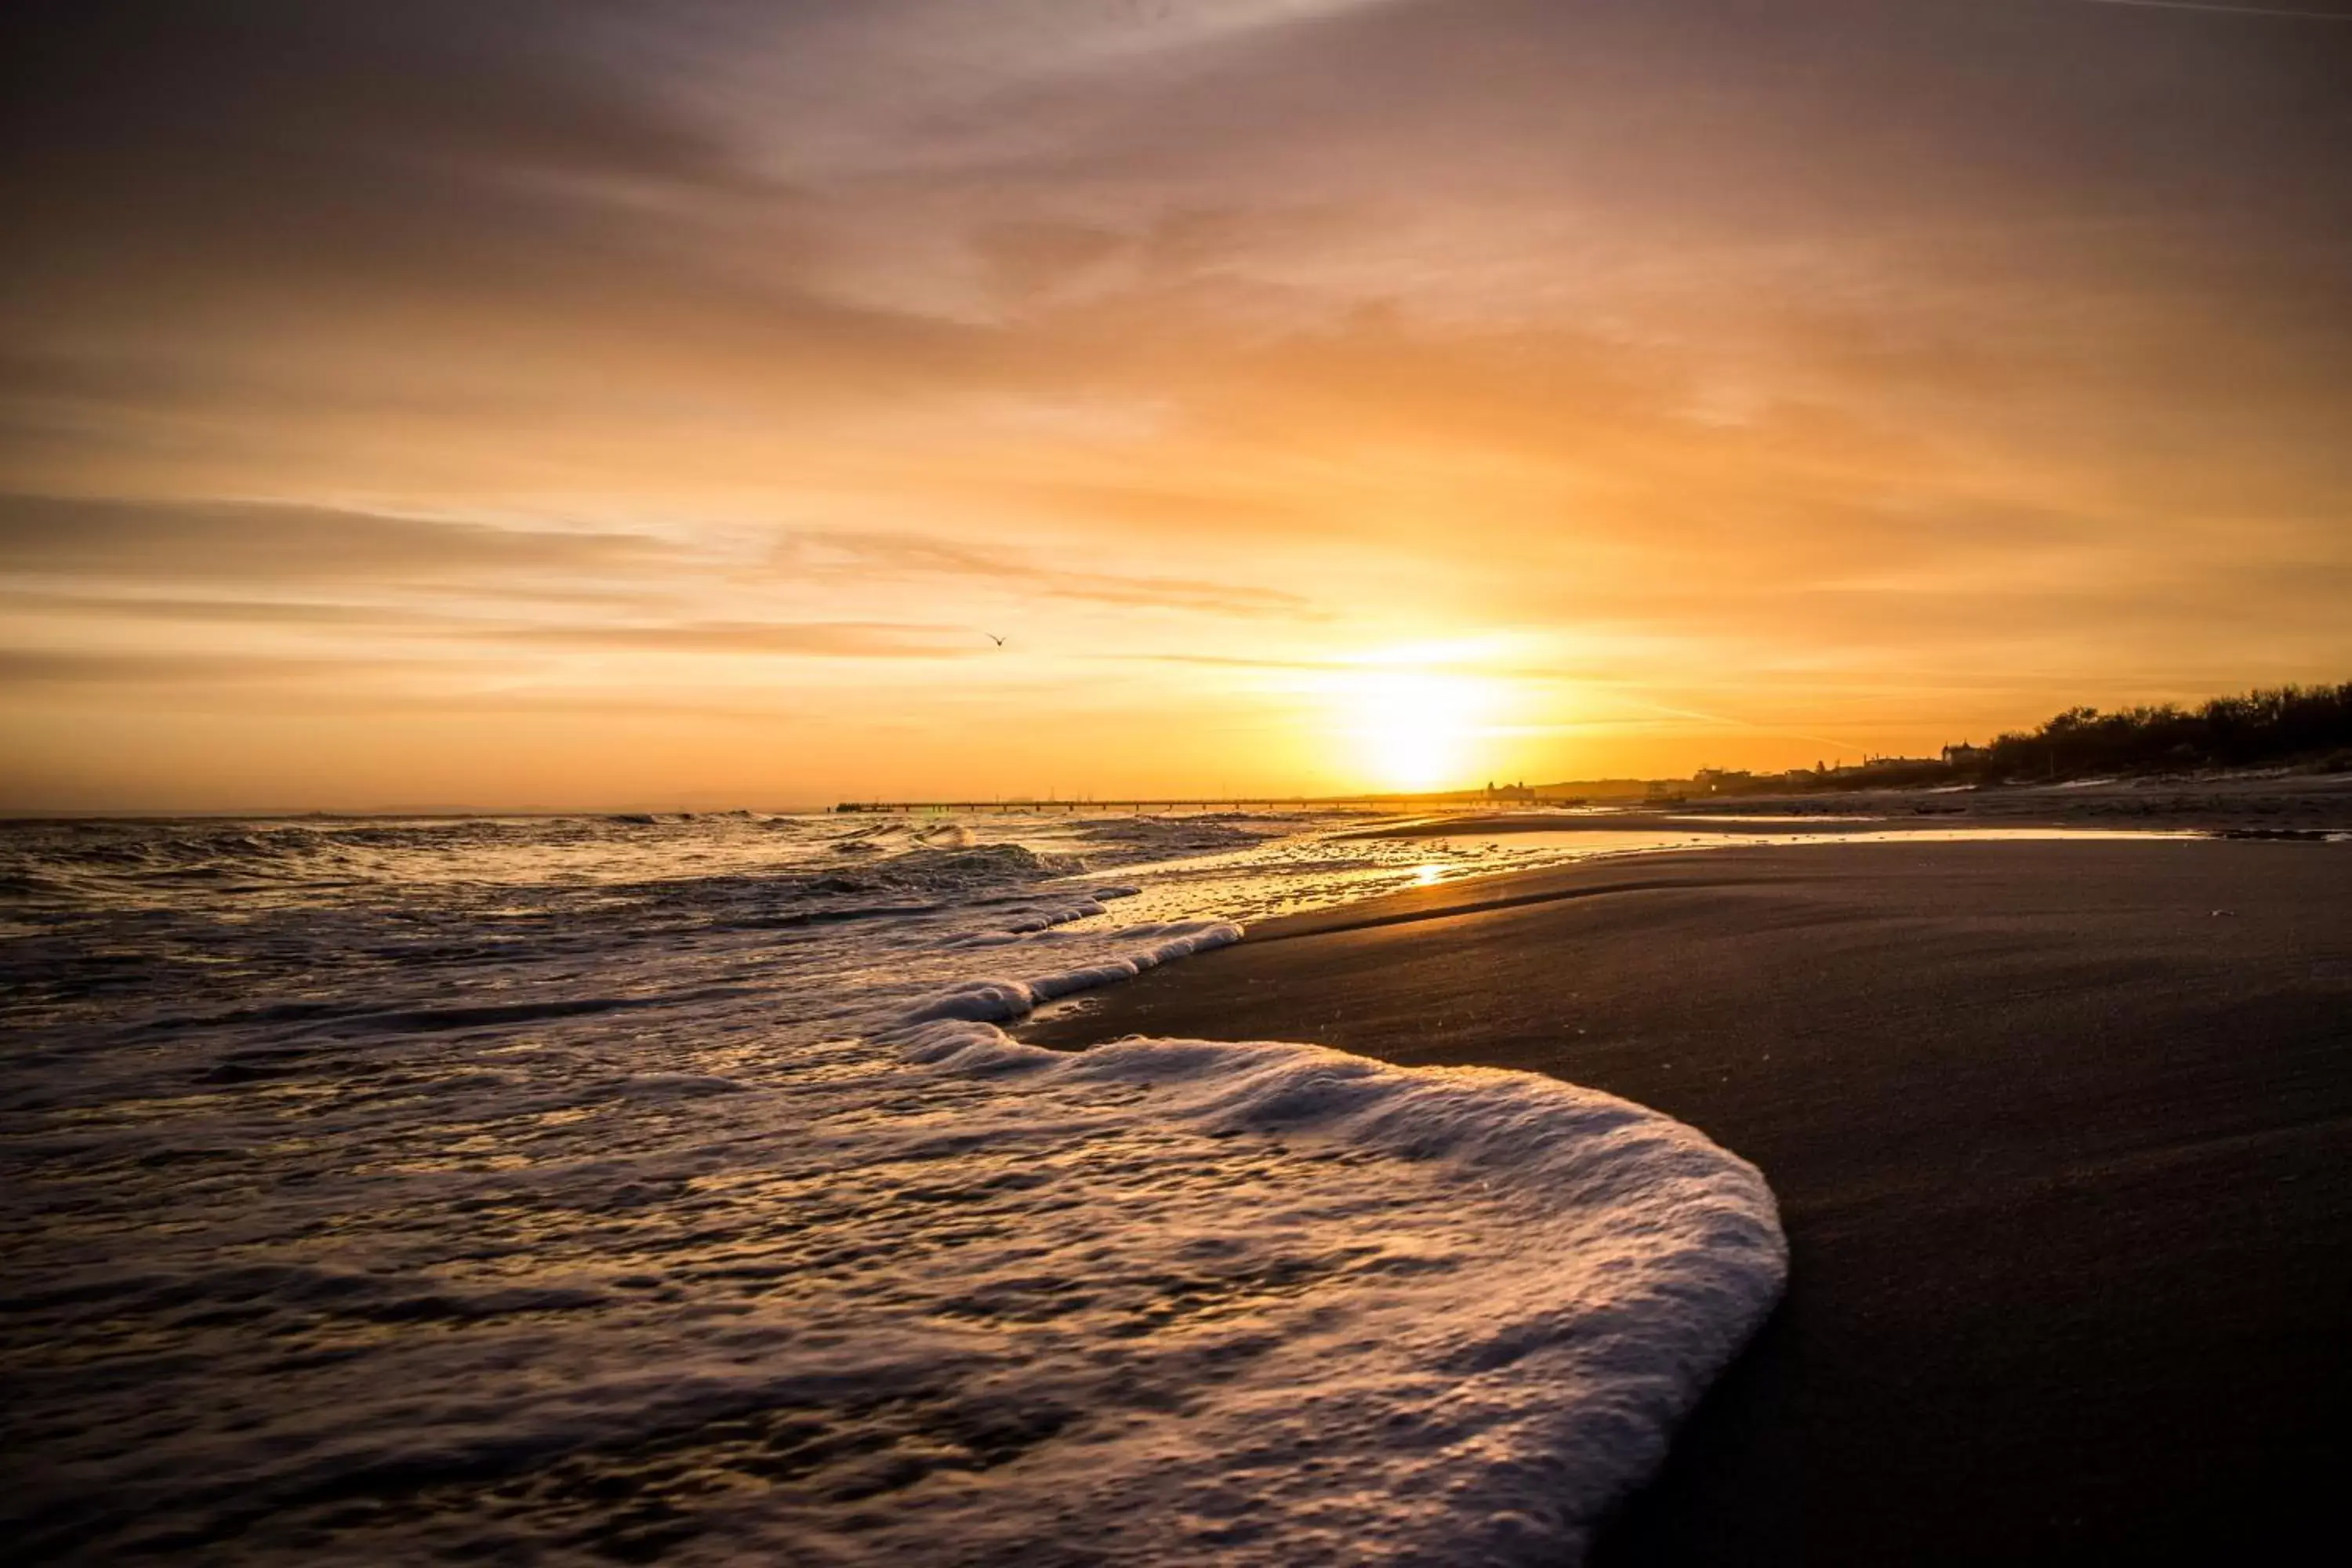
point(994, 639)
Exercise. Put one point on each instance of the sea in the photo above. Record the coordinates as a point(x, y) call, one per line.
point(668, 1187)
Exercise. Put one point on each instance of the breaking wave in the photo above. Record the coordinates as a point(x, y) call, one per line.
point(580, 1190)
point(1160, 1301)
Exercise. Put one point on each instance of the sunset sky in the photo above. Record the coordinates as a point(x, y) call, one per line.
point(569, 404)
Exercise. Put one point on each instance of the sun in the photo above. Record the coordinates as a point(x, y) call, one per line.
point(1414, 729)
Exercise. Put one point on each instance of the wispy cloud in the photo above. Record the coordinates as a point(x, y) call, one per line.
point(55, 667)
point(866, 554)
point(2226, 10)
point(130, 540)
point(820, 640)
point(115, 607)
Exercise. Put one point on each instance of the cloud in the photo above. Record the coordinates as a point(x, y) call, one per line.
point(114, 538)
point(2225, 10)
point(866, 554)
point(1226, 661)
point(820, 640)
point(65, 666)
point(381, 123)
point(213, 612)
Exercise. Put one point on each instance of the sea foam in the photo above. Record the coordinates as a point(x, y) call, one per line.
point(1383, 1315)
point(1165, 1301)
point(1002, 1001)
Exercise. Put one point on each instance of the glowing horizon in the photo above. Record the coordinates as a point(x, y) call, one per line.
point(620, 404)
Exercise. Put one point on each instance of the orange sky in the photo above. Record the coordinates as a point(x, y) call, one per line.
point(611, 404)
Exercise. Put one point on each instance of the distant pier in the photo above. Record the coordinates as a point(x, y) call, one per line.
point(1198, 803)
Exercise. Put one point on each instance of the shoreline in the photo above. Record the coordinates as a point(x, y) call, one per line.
point(2232, 805)
point(2256, 791)
point(2056, 1129)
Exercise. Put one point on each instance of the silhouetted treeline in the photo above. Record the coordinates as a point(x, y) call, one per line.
point(2285, 723)
point(2309, 725)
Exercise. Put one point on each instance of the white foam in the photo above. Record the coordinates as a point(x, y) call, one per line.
point(1163, 1302)
point(1002, 1001)
point(1517, 1287)
point(1035, 923)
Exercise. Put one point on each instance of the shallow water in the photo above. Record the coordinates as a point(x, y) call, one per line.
point(658, 1188)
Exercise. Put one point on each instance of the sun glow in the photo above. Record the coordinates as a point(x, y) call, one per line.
point(1415, 728)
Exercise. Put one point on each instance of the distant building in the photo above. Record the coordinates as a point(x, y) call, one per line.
point(1965, 755)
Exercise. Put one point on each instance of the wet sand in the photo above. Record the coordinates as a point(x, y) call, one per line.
point(2061, 1133)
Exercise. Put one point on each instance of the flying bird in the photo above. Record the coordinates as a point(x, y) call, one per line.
point(994, 639)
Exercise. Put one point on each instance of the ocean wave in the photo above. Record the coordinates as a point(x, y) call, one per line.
point(99, 858)
point(1531, 1285)
point(198, 864)
point(1124, 840)
point(1002, 1001)
point(949, 871)
point(972, 1302)
point(600, 1190)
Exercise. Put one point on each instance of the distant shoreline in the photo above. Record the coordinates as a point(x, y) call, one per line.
point(2227, 805)
point(2059, 803)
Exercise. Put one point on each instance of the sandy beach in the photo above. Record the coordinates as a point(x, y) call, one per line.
point(2058, 1130)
